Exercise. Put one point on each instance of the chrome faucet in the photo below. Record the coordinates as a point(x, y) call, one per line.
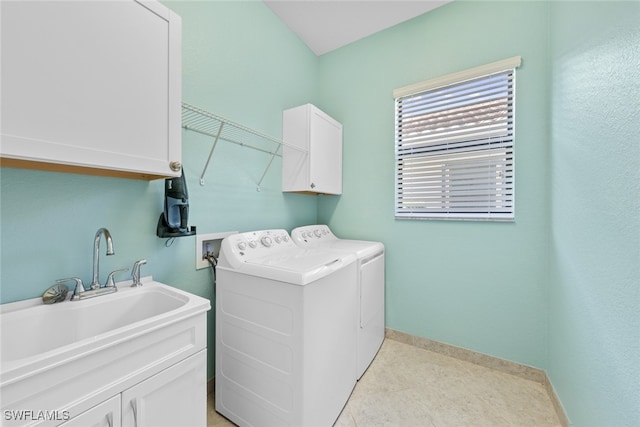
point(95, 283)
point(95, 289)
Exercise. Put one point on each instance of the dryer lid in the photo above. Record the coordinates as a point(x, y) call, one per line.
point(361, 248)
point(320, 236)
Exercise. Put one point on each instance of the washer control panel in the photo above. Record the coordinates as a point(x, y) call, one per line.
point(310, 234)
point(255, 244)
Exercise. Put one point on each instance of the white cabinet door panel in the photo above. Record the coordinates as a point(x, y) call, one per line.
point(325, 158)
point(316, 167)
point(91, 83)
point(176, 396)
point(106, 414)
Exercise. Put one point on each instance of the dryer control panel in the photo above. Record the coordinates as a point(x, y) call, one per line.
point(310, 234)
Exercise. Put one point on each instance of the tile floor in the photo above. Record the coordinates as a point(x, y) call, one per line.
point(406, 386)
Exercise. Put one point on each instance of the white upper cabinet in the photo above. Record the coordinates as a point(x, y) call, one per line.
point(91, 87)
point(316, 166)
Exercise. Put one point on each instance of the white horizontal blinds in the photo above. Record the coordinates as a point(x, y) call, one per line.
point(454, 150)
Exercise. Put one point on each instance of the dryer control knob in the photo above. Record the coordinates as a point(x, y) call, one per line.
point(266, 241)
point(253, 244)
point(317, 233)
point(242, 246)
point(278, 239)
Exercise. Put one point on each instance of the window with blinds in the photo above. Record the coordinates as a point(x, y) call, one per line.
point(455, 146)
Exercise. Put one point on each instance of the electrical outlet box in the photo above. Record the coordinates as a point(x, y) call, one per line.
point(208, 243)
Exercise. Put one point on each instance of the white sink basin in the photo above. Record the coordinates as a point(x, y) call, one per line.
point(34, 332)
point(73, 355)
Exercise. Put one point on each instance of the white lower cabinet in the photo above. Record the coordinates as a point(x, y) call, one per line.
point(176, 396)
point(106, 414)
point(156, 364)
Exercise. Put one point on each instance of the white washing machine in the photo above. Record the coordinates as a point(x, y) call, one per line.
point(370, 284)
point(284, 348)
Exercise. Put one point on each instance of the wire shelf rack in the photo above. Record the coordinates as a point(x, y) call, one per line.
point(206, 123)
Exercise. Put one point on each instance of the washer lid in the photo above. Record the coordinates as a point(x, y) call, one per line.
point(296, 259)
point(297, 266)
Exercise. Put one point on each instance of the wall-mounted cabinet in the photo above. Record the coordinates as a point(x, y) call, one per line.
point(316, 167)
point(91, 87)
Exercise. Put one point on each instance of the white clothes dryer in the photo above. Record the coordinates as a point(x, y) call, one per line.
point(284, 348)
point(370, 285)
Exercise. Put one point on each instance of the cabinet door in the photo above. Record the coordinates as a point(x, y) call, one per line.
point(317, 166)
point(91, 84)
point(325, 157)
point(106, 414)
point(295, 153)
point(176, 396)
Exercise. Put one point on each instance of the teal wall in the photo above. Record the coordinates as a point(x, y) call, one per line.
point(556, 289)
point(594, 328)
point(479, 285)
point(239, 61)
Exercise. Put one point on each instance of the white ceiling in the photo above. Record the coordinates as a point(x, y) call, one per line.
point(325, 25)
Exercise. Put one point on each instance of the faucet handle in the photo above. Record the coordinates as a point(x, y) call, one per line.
point(110, 282)
point(79, 286)
point(135, 272)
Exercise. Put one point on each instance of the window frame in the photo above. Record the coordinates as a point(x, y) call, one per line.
point(495, 152)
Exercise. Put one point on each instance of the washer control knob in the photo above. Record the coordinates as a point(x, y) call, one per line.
point(285, 238)
point(266, 241)
point(278, 239)
point(317, 233)
point(253, 244)
point(242, 246)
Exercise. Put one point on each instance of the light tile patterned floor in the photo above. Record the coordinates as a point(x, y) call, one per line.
point(406, 386)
